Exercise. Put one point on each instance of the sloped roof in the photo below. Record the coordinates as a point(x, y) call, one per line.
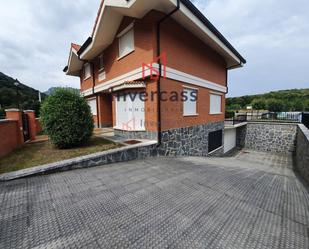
point(111, 12)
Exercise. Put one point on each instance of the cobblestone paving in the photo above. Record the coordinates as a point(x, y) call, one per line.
point(157, 203)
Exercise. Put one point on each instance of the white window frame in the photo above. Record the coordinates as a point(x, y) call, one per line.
point(93, 106)
point(213, 98)
point(87, 71)
point(128, 31)
point(189, 103)
point(102, 74)
point(101, 63)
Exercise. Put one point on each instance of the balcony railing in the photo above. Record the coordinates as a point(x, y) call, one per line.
point(295, 117)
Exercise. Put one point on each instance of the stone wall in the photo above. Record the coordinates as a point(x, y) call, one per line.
point(302, 152)
point(271, 137)
point(188, 141)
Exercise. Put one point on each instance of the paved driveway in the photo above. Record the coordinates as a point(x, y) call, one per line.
point(157, 203)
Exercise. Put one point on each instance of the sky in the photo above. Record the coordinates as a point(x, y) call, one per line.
point(272, 35)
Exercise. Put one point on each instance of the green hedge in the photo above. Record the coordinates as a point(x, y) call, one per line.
point(66, 118)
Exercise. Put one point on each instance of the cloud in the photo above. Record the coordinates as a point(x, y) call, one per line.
point(272, 35)
point(35, 38)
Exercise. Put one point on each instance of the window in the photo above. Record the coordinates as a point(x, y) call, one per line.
point(87, 71)
point(189, 105)
point(101, 63)
point(215, 104)
point(93, 106)
point(126, 41)
point(102, 75)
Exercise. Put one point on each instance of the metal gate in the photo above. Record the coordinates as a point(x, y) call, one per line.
point(214, 140)
point(305, 119)
point(26, 130)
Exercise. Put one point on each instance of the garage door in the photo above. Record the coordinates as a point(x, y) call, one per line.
point(130, 114)
point(229, 139)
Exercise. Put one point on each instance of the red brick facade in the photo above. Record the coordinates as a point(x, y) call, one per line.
point(185, 52)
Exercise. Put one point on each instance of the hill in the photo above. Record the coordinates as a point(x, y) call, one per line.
point(28, 97)
point(283, 100)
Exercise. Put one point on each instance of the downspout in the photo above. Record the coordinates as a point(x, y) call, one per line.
point(160, 68)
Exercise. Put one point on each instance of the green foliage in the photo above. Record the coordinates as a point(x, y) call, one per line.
point(259, 104)
point(67, 119)
point(275, 105)
point(306, 105)
point(287, 100)
point(51, 90)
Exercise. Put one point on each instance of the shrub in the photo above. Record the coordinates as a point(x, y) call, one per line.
point(67, 119)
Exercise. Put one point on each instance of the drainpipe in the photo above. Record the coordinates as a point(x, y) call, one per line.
point(160, 67)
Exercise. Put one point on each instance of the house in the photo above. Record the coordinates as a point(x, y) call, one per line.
point(157, 70)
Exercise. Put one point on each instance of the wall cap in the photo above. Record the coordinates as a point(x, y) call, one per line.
point(12, 110)
point(273, 123)
point(28, 111)
point(304, 130)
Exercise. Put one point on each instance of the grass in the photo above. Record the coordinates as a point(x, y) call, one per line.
point(35, 154)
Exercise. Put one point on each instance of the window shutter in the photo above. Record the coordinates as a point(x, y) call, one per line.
point(126, 43)
point(93, 106)
point(215, 104)
point(189, 106)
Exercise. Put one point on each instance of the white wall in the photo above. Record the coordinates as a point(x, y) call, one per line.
point(229, 139)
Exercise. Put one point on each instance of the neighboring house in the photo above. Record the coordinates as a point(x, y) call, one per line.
point(195, 59)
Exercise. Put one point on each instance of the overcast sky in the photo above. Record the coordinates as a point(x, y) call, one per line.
point(272, 35)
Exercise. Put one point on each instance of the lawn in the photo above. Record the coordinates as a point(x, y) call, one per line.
point(35, 154)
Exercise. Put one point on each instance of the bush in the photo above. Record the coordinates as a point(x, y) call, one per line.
point(67, 119)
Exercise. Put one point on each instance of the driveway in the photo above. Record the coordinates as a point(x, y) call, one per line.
point(159, 203)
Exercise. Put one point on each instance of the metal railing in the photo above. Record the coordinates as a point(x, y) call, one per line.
point(236, 120)
point(269, 117)
point(277, 117)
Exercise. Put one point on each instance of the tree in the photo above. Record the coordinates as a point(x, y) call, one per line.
point(275, 105)
point(306, 105)
point(258, 104)
point(67, 119)
point(298, 105)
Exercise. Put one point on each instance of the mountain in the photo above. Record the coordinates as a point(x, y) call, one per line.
point(28, 97)
point(53, 89)
point(283, 100)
